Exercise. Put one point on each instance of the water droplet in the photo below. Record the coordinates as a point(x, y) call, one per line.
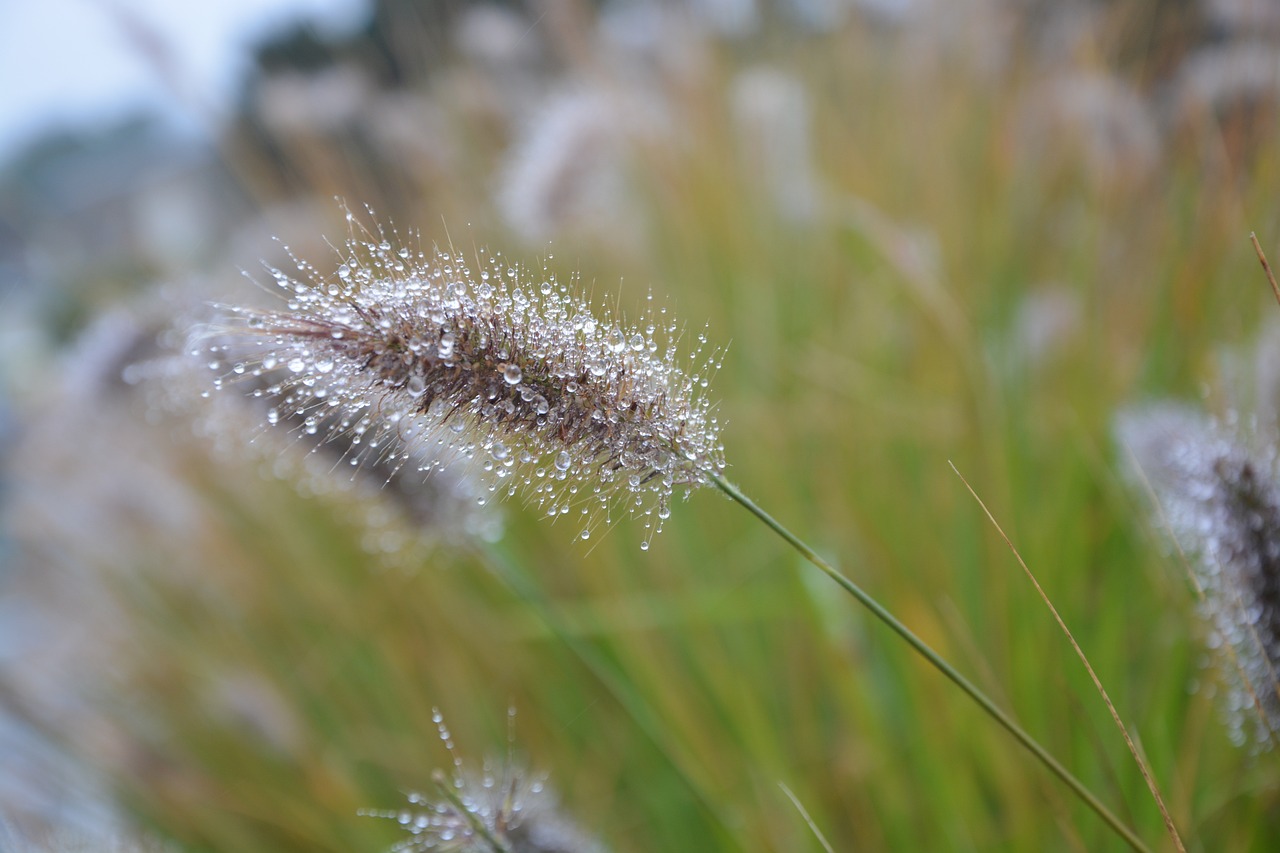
point(416, 386)
point(617, 342)
point(637, 342)
point(297, 365)
point(563, 461)
point(512, 374)
point(324, 365)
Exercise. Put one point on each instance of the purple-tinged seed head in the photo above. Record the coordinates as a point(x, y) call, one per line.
point(490, 362)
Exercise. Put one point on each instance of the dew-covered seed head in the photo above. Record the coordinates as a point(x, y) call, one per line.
point(501, 807)
point(1220, 500)
point(491, 362)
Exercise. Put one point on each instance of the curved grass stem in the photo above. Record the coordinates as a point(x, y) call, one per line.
point(939, 663)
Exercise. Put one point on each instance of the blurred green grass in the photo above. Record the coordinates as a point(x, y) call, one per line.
point(668, 693)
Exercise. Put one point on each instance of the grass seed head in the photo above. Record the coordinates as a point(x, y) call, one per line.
point(484, 360)
point(502, 809)
point(1222, 504)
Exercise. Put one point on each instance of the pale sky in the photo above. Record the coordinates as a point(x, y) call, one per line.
point(74, 63)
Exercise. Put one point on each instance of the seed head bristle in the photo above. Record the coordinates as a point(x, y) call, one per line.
point(486, 361)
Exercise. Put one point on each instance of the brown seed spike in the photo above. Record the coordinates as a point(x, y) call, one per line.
point(493, 364)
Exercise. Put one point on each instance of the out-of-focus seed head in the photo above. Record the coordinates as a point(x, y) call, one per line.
point(500, 808)
point(486, 361)
point(1221, 502)
point(135, 359)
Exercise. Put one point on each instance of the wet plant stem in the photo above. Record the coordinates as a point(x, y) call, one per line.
point(477, 825)
point(938, 662)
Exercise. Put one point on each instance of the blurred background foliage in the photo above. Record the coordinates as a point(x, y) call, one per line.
point(928, 232)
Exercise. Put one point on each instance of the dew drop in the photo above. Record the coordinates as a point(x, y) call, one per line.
point(512, 374)
point(297, 365)
point(617, 342)
point(563, 461)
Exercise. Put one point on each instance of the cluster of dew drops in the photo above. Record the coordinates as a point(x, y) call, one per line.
point(548, 330)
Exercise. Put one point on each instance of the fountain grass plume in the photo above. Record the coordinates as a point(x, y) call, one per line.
point(504, 366)
point(1219, 500)
point(501, 809)
point(489, 362)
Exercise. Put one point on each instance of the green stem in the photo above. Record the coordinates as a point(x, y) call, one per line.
point(938, 662)
point(477, 824)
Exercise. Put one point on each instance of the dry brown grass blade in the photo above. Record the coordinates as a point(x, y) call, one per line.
point(1266, 267)
point(1097, 683)
point(804, 813)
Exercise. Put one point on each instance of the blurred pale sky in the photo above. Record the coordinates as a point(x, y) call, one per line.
point(80, 63)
